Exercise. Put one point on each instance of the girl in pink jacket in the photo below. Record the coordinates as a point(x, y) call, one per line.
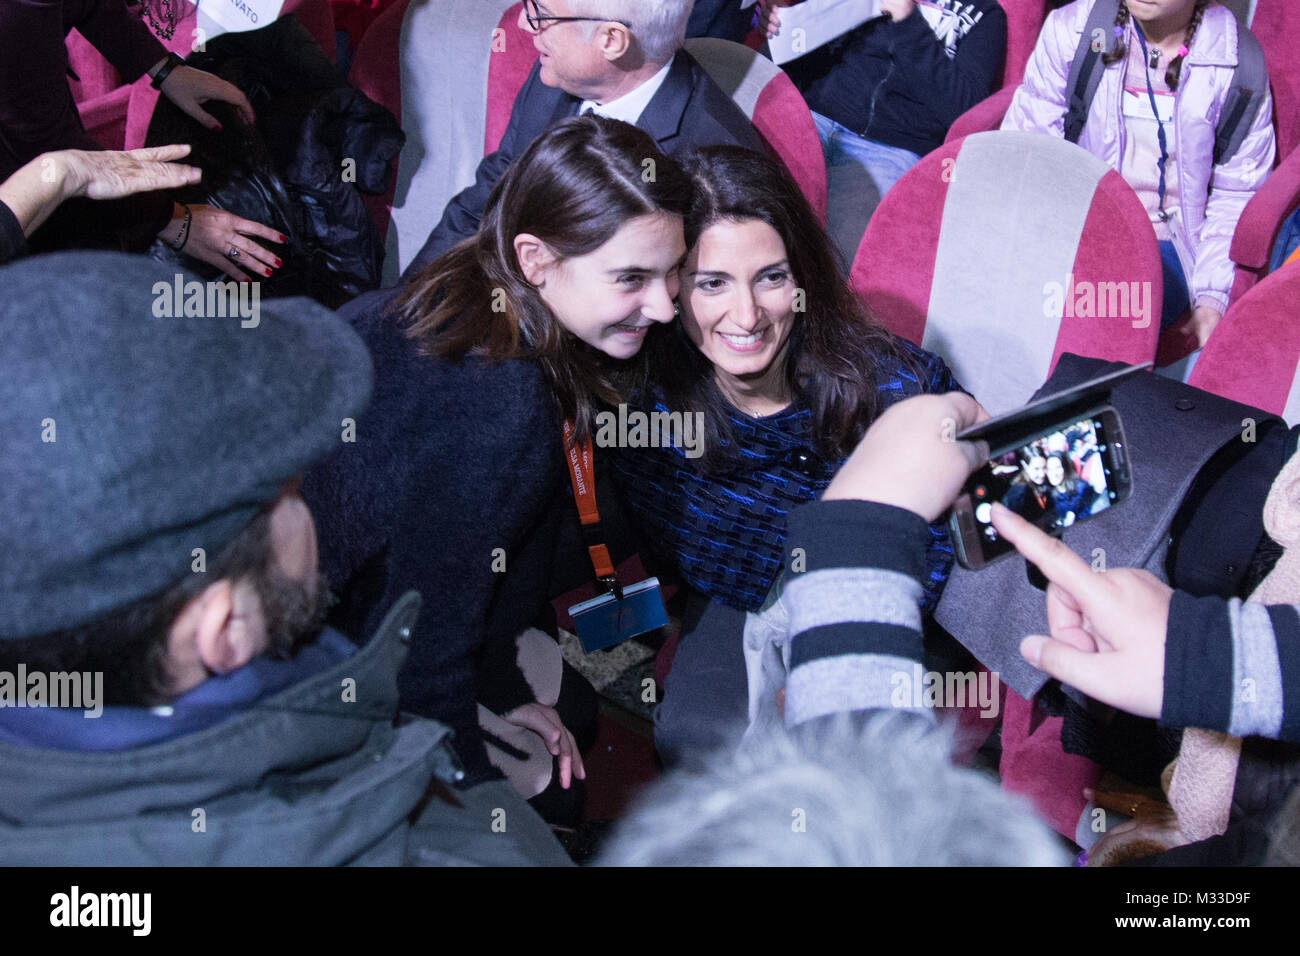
point(1153, 119)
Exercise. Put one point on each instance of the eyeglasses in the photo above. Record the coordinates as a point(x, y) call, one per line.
point(533, 14)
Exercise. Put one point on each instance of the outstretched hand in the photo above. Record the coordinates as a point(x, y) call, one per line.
point(111, 174)
point(1107, 627)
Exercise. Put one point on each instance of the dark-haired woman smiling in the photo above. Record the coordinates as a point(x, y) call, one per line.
point(455, 485)
point(776, 352)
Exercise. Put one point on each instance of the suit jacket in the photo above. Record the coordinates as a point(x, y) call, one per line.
point(688, 110)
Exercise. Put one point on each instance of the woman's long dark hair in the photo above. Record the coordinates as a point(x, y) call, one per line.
point(1071, 480)
point(835, 353)
point(573, 188)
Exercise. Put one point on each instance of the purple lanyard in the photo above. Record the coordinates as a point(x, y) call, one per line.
point(1160, 126)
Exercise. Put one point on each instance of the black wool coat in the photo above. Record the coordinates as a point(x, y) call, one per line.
point(452, 461)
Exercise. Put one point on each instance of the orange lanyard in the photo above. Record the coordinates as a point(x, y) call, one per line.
point(582, 477)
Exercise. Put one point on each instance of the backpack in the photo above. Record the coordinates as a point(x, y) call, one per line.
point(1245, 94)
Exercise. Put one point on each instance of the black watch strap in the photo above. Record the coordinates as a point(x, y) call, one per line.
point(165, 70)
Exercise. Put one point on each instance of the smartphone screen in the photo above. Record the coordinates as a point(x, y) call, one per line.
point(1052, 481)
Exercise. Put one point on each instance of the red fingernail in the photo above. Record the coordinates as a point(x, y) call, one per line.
point(283, 239)
point(278, 263)
point(268, 272)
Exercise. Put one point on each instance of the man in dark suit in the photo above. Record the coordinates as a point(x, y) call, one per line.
point(618, 58)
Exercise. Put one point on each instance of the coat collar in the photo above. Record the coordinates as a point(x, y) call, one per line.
point(318, 720)
point(663, 115)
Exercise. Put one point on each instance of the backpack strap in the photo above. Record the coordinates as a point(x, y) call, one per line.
point(1245, 97)
point(1086, 69)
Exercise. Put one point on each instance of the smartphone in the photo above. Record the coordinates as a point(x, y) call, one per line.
point(1065, 473)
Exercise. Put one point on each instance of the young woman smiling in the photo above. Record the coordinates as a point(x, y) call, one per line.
point(776, 353)
point(456, 482)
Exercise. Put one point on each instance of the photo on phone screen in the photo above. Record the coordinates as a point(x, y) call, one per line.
point(1064, 476)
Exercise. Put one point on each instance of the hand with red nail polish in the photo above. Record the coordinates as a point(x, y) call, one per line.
point(226, 241)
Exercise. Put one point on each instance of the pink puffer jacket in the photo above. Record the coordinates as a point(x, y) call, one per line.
point(1206, 220)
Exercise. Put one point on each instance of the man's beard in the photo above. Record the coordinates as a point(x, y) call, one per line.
point(293, 611)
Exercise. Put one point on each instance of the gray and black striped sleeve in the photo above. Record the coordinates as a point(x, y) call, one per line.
point(1232, 666)
point(855, 621)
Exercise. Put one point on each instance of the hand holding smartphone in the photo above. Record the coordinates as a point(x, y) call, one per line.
point(1054, 462)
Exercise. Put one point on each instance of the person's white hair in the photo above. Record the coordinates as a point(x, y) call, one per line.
point(658, 25)
point(885, 795)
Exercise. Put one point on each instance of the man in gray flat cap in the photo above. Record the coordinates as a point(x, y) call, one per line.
point(167, 692)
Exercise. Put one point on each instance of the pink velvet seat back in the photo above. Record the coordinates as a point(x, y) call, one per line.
point(774, 105)
point(1024, 21)
point(1255, 349)
point(1006, 249)
point(1276, 24)
point(513, 56)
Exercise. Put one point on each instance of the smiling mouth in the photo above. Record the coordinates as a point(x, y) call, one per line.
point(744, 343)
point(631, 329)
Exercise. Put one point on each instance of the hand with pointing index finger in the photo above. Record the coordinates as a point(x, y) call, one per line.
point(1107, 628)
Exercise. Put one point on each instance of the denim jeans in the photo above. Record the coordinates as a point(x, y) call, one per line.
point(858, 174)
point(1177, 298)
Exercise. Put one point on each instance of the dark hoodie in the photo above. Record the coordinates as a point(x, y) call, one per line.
point(903, 84)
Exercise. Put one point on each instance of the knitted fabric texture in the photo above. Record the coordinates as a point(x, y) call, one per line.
point(726, 533)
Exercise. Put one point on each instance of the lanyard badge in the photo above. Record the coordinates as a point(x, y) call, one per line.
point(620, 613)
point(1160, 126)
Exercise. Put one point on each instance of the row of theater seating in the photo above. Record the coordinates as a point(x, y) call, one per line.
point(970, 263)
point(960, 257)
point(952, 259)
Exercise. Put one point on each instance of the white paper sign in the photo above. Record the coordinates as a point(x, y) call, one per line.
point(236, 16)
point(814, 23)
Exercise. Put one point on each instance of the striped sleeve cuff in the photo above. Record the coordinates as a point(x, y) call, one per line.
point(1225, 663)
point(1256, 675)
point(1198, 664)
point(855, 622)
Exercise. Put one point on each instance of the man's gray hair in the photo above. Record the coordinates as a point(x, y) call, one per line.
point(834, 795)
point(658, 25)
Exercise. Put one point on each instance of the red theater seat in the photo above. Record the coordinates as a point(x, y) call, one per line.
point(432, 65)
point(775, 107)
point(1002, 251)
point(1253, 353)
point(1275, 24)
point(1024, 21)
point(513, 56)
point(375, 72)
